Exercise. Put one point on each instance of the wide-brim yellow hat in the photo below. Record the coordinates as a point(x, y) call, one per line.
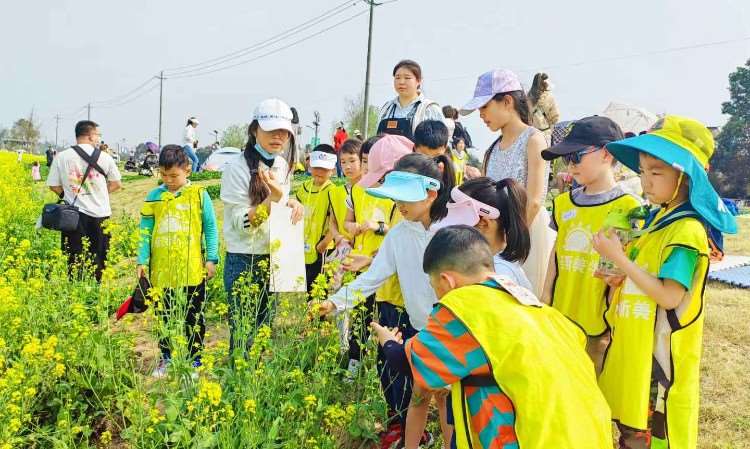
point(687, 145)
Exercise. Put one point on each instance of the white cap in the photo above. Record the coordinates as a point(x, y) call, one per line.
point(273, 114)
point(193, 120)
point(321, 159)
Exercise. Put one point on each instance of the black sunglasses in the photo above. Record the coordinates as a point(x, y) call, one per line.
point(575, 158)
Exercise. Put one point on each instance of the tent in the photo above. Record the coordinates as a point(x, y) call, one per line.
point(219, 159)
point(630, 118)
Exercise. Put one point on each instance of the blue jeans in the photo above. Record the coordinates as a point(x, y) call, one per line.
point(193, 157)
point(248, 309)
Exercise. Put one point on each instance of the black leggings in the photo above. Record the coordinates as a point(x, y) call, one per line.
point(196, 294)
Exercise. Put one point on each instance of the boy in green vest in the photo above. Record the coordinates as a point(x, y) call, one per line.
point(517, 368)
point(577, 215)
point(651, 370)
point(178, 228)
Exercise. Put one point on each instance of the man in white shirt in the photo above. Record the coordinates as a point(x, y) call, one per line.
point(190, 142)
point(90, 196)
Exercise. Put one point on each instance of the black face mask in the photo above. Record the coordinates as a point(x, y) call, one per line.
point(267, 162)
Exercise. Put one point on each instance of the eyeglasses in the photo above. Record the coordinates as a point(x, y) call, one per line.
point(575, 158)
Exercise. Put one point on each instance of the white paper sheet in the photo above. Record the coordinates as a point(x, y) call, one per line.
point(287, 251)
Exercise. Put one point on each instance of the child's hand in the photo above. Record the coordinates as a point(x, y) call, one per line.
point(385, 334)
point(298, 210)
point(608, 245)
point(356, 262)
point(321, 247)
point(269, 179)
point(140, 271)
point(613, 281)
point(210, 270)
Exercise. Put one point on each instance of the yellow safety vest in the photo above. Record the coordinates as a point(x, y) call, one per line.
point(338, 195)
point(317, 205)
point(177, 238)
point(643, 333)
point(538, 360)
point(576, 292)
point(370, 208)
point(459, 165)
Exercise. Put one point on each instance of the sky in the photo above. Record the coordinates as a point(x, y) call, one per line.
point(81, 51)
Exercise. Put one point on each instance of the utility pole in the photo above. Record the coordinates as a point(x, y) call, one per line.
point(88, 109)
point(161, 101)
point(57, 127)
point(367, 71)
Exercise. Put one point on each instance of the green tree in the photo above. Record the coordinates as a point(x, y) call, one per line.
point(25, 133)
point(729, 165)
point(234, 136)
point(354, 116)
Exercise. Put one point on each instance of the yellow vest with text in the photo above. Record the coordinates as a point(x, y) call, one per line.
point(538, 360)
point(317, 205)
point(459, 165)
point(177, 238)
point(576, 292)
point(644, 333)
point(370, 208)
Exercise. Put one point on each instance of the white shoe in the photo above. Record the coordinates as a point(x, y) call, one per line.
point(161, 371)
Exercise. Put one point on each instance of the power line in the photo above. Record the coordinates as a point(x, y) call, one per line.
point(608, 59)
point(120, 98)
point(247, 61)
point(130, 100)
point(264, 43)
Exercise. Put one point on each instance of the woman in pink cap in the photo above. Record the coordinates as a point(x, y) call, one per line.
point(517, 154)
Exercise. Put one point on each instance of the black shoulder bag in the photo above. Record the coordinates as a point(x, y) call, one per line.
point(64, 217)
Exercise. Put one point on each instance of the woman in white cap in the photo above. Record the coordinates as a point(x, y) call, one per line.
point(517, 154)
point(190, 142)
point(401, 115)
point(249, 184)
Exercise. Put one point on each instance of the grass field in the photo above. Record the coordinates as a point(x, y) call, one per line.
point(725, 408)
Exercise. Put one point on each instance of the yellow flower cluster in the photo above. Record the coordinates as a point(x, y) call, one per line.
point(209, 392)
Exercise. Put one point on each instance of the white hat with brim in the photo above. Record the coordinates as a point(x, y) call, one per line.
point(321, 159)
point(273, 114)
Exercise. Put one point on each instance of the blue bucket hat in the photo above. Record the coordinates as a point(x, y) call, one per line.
point(405, 186)
point(686, 145)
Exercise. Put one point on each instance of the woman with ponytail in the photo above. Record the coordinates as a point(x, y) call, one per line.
point(250, 183)
point(517, 154)
point(497, 210)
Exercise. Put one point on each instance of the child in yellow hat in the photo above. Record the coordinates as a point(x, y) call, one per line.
point(650, 374)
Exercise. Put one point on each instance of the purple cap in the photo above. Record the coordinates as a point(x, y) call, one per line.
point(489, 84)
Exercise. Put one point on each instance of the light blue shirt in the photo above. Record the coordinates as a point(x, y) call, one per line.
point(512, 270)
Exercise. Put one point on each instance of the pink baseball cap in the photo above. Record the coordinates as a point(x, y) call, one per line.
point(383, 157)
point(465, 210)
point(489, 84)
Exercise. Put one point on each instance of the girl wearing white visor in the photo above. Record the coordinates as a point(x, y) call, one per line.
point(421, 193)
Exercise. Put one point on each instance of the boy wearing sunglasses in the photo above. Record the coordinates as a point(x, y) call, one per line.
point(577, 216)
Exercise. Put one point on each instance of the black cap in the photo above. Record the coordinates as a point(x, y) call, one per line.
point(589, 131)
